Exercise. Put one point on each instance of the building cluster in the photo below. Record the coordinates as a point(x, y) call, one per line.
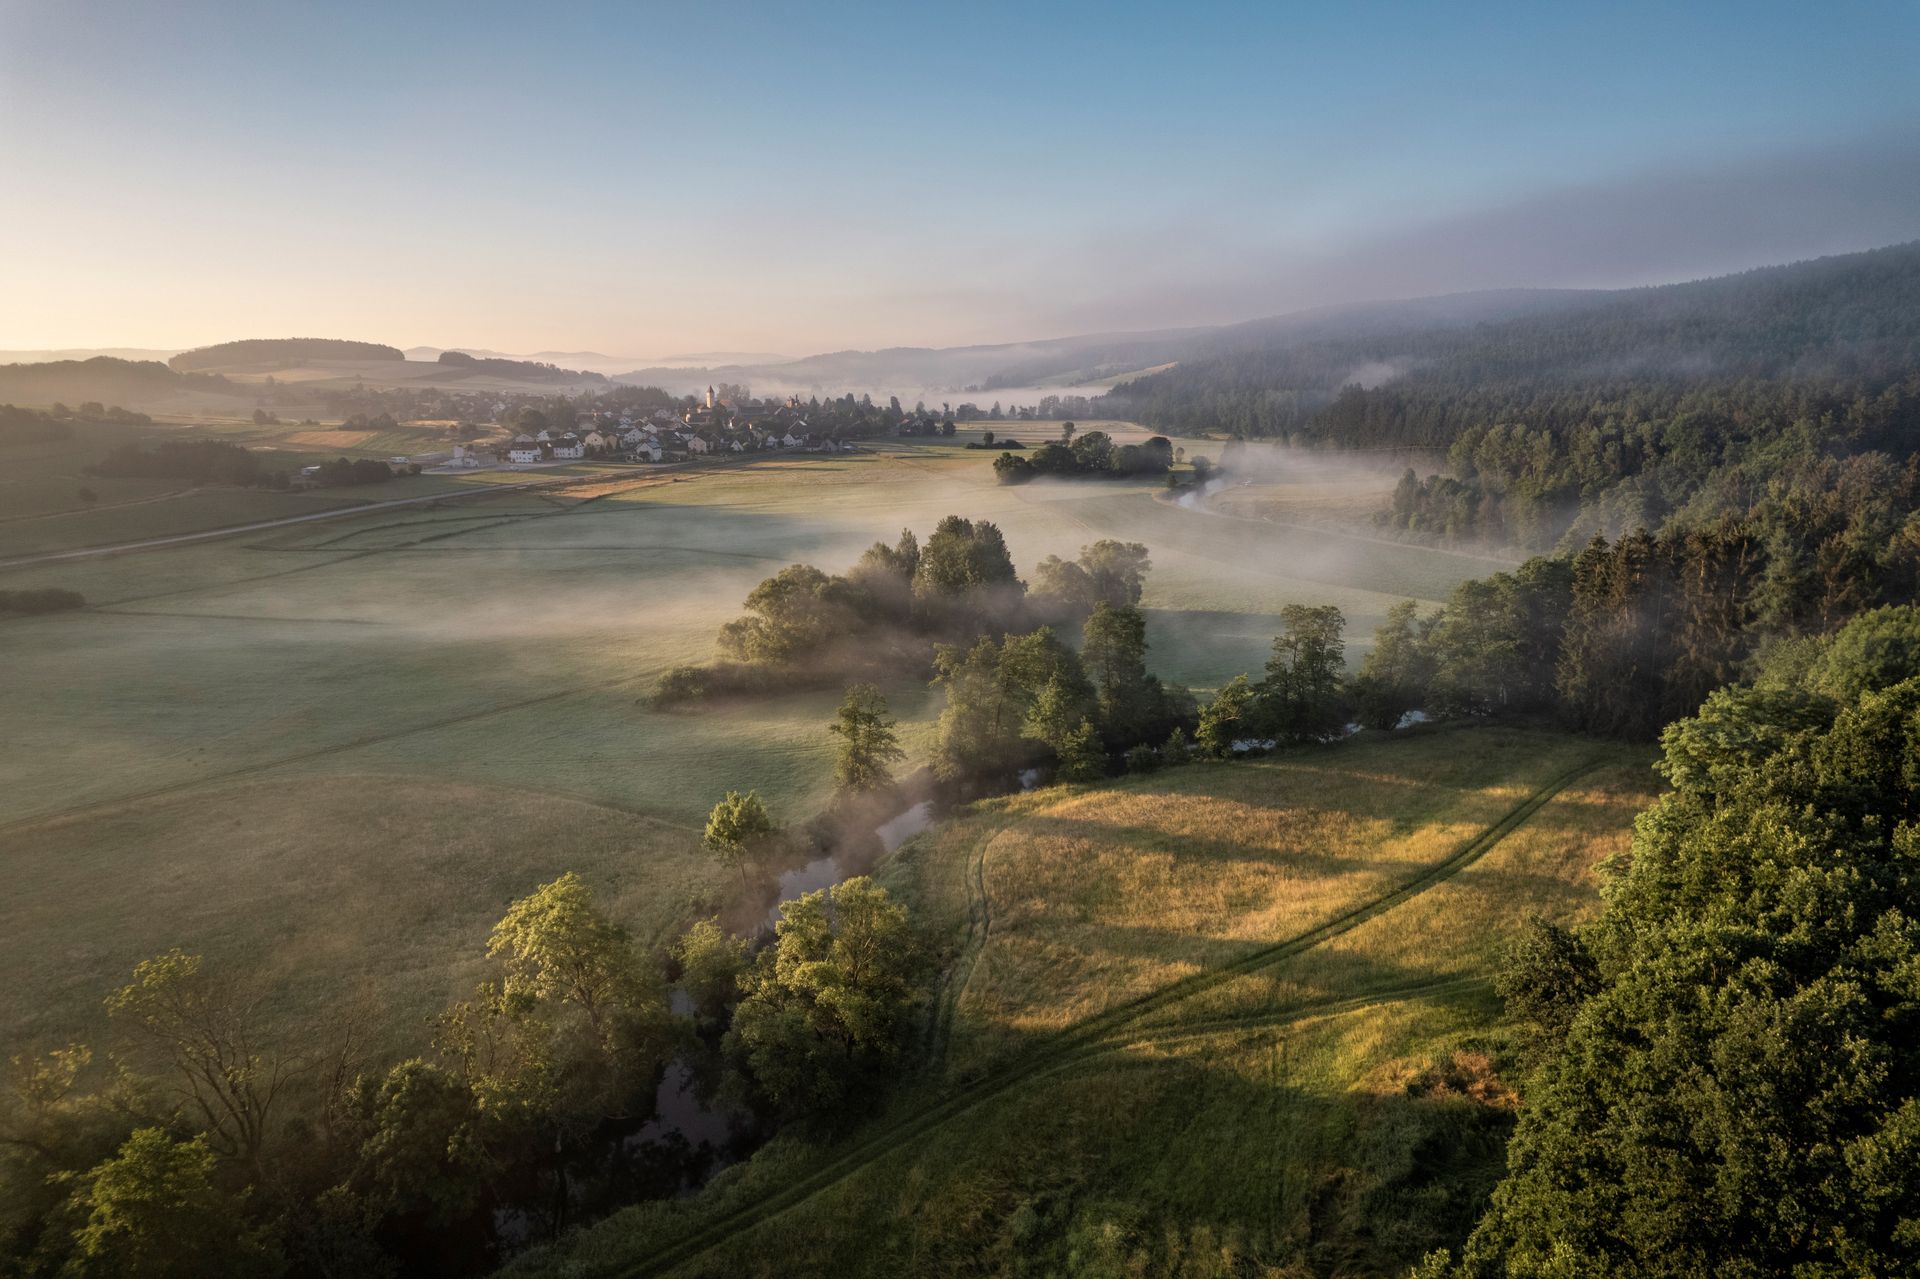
point(664, 436)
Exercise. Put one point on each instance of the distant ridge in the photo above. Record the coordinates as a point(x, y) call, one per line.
point(527, 370)
point(279, 350)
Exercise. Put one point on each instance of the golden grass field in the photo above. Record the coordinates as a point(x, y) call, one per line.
point(1336, 1108)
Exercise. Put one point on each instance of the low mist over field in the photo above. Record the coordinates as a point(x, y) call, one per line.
point(1234, 642)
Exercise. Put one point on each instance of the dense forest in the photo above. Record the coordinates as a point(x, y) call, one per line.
point(1410, 379)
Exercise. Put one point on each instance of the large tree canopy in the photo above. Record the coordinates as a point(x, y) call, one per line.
point(1739, 1094)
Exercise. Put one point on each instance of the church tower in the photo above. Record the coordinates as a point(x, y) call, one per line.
point(710, 397)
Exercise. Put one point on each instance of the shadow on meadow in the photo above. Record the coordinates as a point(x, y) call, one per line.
point(1277, 1147)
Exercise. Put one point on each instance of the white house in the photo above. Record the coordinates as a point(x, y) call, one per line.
point(569, 451)
point(521, 454)
point(793, 441)
point(698, 444)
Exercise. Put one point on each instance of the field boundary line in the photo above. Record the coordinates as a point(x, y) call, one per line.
point(537, 487)
point(1077, 1042)
point(338, 748)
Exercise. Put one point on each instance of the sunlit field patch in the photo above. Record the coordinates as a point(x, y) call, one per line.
point(1341, 1110)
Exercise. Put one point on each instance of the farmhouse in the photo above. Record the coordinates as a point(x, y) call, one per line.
point(520, 454)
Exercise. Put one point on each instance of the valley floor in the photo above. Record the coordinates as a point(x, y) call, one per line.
point(329, 754)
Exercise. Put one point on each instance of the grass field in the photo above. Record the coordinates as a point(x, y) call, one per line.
point(41, 509)
point(1229, 1019)
point(498, 648)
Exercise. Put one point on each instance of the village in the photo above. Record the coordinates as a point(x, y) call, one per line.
point(713, 426)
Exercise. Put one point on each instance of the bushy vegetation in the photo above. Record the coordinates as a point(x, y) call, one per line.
point(889, 612)
point(1089, 454)
point(220, 1149)
point(1017, 693)
point(342, 471)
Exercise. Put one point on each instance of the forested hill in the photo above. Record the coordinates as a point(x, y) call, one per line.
point(1850, 322)
point(280, 351)
point(525, 370)
point(101, 378)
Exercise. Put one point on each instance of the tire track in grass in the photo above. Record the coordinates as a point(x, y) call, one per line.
point(1100, 1034)
point(953, 983)
point(321, 752)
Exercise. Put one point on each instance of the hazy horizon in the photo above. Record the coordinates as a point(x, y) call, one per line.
point(748, 179)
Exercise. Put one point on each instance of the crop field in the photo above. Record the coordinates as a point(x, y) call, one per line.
point(208, 723)
point(1226, 1019)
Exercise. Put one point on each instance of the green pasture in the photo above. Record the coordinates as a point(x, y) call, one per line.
point(498, 648)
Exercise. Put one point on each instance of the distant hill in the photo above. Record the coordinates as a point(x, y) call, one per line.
point(161, 354)
point(1273, 374)
point(1090, 362)
point(100, 378)
point(524, 370)
point(909, 371)
point(256, 351)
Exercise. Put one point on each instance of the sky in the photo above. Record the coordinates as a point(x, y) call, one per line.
point(659, 179)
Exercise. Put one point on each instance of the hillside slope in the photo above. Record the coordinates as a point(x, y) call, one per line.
point(1852, 319)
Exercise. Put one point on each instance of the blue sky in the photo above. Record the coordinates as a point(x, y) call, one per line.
point(651, 179)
